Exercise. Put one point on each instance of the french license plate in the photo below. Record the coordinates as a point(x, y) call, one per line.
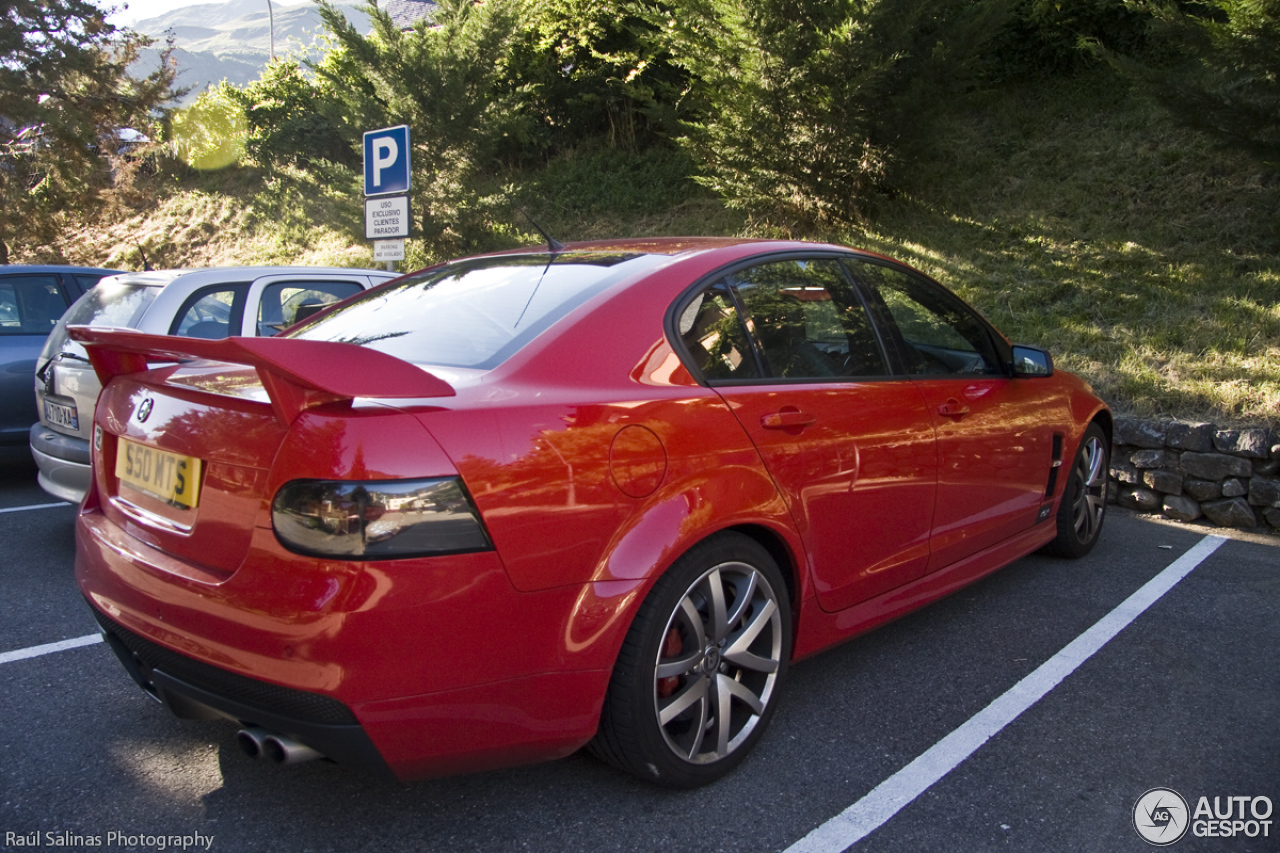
point(60, 414)
point(171, 477)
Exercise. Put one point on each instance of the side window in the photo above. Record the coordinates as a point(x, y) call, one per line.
point(86, 282)
point(210, 313)
point(287, 302)
point(30, 304)
point(10, 317)
point(938, 335)
point(712, 331)
point(808, 320)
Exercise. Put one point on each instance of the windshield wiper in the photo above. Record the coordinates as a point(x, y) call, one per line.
point(44, 368)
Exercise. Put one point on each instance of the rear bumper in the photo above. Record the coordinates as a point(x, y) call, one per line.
point(63, 461)
point(411, 670)
point(191, 689)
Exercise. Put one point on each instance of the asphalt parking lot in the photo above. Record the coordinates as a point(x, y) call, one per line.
point(889, 742)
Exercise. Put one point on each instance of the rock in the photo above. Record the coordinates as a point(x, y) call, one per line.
point(1149, 459)
point(1190, 436)
point(1165, 482)
point(1272, 515)
point(1215, 466)
point(1181, 508)
point(1264, 491)
point(1143, 500)
point(1202, 490)
point(1140, 433)
point(1253, 443)
point(1126, 474)
point(1233, 512)
point(1234, 488)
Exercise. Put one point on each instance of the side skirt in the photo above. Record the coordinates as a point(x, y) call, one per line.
point(820, 630)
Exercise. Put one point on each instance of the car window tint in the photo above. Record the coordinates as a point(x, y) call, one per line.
point(808, 320)
point(713, 333)
point(119, 305)
point(475, 313)
point(30, 304)
point(87, 281)
point(208, 314)
point(938, 335)
point(284, 303)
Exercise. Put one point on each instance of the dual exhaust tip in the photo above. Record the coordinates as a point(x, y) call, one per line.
point(277, 748)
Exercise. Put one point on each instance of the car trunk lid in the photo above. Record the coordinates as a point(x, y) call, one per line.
point(184, 456)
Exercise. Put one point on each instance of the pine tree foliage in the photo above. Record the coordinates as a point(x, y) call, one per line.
point(804, 102)
point(442, 79)
point(591, 72)
point(66, 91)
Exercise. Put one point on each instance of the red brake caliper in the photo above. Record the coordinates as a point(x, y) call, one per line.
point(671, 646)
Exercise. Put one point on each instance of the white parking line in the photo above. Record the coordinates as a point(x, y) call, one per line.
point(33, 506)
point(895, 793)
point(49, 648)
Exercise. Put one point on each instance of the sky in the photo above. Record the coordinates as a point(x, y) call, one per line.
point(141, 9)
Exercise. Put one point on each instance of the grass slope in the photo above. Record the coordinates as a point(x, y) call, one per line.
point(1079, 218)
point(1074, 216)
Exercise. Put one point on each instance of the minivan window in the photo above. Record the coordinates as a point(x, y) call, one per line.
point(30, 304)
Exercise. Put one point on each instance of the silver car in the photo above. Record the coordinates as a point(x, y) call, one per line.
point(205, 303)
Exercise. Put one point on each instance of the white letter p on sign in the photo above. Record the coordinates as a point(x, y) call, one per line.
point(385, 152)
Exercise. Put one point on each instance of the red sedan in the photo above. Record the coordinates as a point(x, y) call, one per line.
point(598, 495)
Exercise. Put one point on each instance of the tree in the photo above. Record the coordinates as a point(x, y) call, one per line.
point(1224, 76)
point(443, 80)
point(592, 72)
point(803, 102)
point(65, 94)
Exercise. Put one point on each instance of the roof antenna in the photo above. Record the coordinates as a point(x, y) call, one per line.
point(146, 264)
point(553, 244)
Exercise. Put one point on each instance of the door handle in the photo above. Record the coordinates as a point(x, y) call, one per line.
point(953, 409)
point(787, 419)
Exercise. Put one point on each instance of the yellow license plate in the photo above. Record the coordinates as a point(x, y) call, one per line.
point(170, 477)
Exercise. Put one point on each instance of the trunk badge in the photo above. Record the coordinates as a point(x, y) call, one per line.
point(144, 410)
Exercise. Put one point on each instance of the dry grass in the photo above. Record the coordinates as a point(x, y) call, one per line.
point(1080, 219)
point(1073, 216)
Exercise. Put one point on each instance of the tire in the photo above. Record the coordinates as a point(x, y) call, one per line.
point(1084, 502)
point(701, 669)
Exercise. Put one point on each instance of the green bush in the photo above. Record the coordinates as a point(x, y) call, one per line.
point(804, 103)
point(589, 71)
point(291, 120)
point(442, 80)
point(211, 133)
point(1220, 72)
point(1047, 37)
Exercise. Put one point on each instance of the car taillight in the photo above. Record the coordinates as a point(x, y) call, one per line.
point(378, 519)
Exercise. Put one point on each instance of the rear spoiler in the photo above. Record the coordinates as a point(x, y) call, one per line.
point(297, 374)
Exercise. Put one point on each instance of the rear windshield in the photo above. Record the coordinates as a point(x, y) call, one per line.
point(108, 304)
point(473, 314)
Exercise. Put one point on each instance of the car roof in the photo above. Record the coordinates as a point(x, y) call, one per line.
point(676, 246)
point(11, 269)
point(208, 275)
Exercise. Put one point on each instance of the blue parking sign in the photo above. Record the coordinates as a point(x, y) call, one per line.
point(386, 160)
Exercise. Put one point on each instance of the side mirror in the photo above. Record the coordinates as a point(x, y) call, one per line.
point(1030, 362)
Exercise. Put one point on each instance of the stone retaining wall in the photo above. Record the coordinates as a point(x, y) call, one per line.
point(1189, 471)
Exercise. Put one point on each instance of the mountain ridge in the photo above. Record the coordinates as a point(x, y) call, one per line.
point(231, 40)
